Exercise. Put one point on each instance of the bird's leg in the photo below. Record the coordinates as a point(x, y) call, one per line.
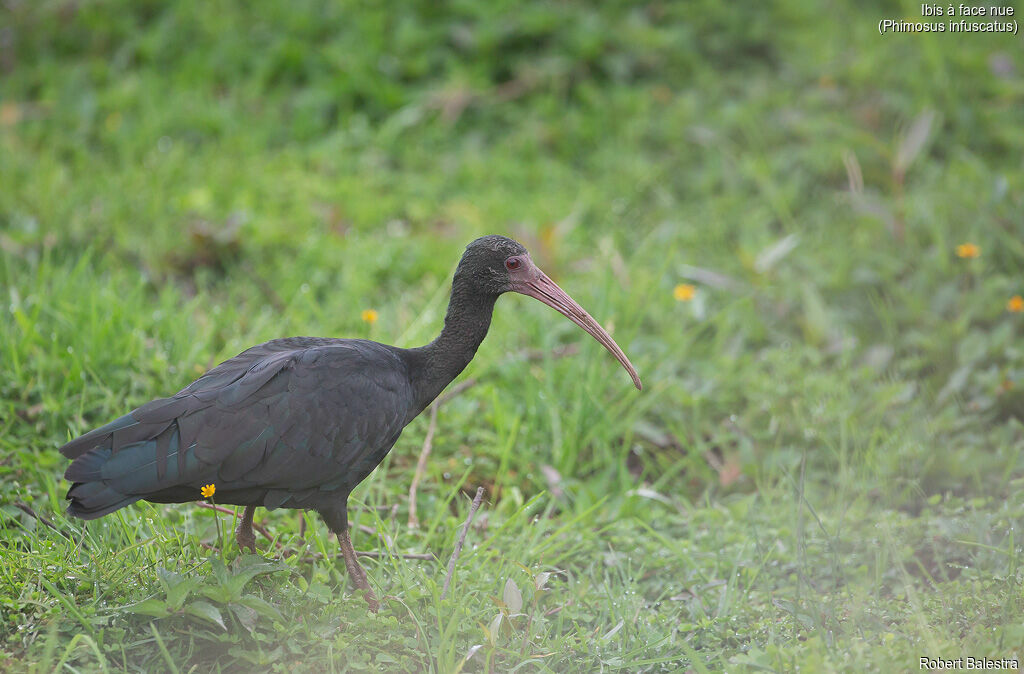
point(355, 570)
point(337, 521)
point(243, 533)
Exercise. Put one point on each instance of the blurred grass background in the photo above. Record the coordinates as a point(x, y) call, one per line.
point(823, 471)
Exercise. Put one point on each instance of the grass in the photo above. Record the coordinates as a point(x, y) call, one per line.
point(823, 472)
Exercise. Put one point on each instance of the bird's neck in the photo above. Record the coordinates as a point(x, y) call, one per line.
point(465, 326)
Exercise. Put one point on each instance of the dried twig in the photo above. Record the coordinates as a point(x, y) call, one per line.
point(513, 89)
point(428, 444)
point(710, 277)
point(27, 509)
point(553, 611)
point(228, 511)
point(288, 553)
point(462, 540)
point(429, 556)
point(421, 466)
point(534, 355)
point(373, 532)
point(457, 390)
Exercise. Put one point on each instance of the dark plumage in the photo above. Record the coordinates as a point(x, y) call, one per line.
point(299, 422)
point(282, 424)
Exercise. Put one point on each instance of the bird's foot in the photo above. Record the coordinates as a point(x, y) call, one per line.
point(362, 583)
point(243, 532)
point(373, 604)
point(354, 568)
point(356, 573)
point(246, 539)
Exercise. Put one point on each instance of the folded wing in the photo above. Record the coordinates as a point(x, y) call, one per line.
point(281, 422)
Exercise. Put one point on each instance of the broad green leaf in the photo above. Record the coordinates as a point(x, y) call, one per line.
point(151, 607)
point(237, 582)
point(218, 593)
point(206, 611)
point(261, 606)
point(178, 587)
point(246, 616)
point(220, 572)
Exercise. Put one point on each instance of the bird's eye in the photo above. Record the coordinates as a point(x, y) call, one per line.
point(513, 263)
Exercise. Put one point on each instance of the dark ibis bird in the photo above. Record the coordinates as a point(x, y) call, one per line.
point(299, 422)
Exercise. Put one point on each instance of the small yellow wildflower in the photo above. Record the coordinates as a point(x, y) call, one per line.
point(684, 292)
point(369, 316)
point(208, 490)
point(1016, 304)
point(968, 250)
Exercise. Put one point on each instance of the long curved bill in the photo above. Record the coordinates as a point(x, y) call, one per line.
point(539, 286)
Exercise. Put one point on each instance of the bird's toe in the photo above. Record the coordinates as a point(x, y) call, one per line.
point(372, 602)
point(246, 540)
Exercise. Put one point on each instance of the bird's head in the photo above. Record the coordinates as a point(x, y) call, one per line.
point(494, 265)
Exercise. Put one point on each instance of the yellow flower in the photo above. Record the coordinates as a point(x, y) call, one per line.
point(967, 250)
point(208, 490)
point(1016, 304)
point(684, 292)
point(369, 316)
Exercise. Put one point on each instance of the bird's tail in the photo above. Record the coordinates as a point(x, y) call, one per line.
point(90, 500)
point(90, 495)
point(132, 458)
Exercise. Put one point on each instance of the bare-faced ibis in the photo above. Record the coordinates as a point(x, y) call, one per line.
point(299, 422)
